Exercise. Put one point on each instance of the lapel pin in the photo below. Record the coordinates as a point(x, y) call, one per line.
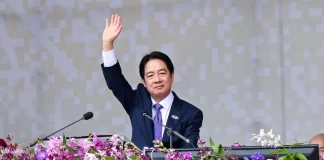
point(174, 117)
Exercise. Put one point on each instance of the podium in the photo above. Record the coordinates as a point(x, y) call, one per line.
point(310, 151)
point(157, 155)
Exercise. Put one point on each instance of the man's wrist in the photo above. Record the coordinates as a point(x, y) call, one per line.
point(107, 46)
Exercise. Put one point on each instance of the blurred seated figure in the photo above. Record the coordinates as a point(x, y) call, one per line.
point(3, 143)
point(319, 139)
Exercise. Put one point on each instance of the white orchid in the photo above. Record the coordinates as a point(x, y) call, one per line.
point(268, 139)
point(264, 142)
point(90, 156)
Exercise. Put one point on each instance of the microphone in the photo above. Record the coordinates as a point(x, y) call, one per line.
point(170, 131)
point(85, 116)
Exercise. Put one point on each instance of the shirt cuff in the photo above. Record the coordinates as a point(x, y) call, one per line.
point(109, 59)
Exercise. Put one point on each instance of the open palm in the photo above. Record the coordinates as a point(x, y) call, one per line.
point(112, 29)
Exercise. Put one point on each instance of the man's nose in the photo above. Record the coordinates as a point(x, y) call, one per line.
point(157, 79)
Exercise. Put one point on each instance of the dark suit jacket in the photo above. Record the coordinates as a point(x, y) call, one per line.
point(135, 102)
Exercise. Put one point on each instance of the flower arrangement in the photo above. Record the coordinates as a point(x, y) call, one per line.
point(269, 139)
point(91, 148)
point(94, 148)
point(215, 153)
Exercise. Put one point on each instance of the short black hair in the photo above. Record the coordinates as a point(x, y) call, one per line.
point(155, 55)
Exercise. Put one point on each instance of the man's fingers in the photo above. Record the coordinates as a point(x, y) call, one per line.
point(119, 29)
point(115, 19)
point(112, 19)
point(118, 21)
point(107, 22)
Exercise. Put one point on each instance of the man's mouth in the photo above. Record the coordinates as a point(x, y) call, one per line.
point(158, 87)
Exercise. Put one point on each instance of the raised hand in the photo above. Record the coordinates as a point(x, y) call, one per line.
point(111, 32)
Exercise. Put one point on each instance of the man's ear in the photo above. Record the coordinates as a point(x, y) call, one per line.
point(143, 81)
point(172, 76)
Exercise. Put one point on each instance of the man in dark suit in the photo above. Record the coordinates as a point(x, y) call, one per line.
point(153, 96)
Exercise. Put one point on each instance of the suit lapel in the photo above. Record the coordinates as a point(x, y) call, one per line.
point(173, 119)
point(148, 123)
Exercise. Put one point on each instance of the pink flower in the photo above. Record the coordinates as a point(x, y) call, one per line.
point(85, 144)
point(187, 156)
point(115, 140)
point(72, 142)
point(84, 149)
point(18, 152)
point(236, 144)
point(98, 144)
point(201, 142)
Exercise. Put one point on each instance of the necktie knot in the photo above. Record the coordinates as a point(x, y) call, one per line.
point(158, 106)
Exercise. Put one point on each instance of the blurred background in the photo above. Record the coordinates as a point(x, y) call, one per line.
point(247, 65)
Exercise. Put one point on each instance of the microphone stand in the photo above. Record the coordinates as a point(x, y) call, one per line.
point(171, 132)
point(56, 132)
point(170, 135)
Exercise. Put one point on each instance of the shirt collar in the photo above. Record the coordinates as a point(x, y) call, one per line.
point(166, 102)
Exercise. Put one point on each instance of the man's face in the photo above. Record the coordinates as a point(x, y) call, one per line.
point(320, 143)
point(157, 79)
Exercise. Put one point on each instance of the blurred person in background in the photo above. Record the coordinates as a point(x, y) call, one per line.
point(319, 140)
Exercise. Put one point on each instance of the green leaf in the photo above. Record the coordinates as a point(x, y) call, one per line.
point(70, 149)
point(220, 152)
point(67, 146)
point(213, 146)
point(32, 150)
point(220, 149)
point(288, 157)
point(64, 139)
point(221, 155)
point(90, 137)
point(109, 158)
point(297, 144)
point(300, 156)
point(286, 151)
point(133, 157)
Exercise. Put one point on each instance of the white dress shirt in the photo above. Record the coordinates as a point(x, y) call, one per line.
point(166, 103)
point(109, 59)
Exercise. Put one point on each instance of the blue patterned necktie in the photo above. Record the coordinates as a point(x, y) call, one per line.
point(157, 127)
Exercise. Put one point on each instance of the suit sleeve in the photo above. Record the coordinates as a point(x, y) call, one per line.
point(117, 83)
point(193, 129)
